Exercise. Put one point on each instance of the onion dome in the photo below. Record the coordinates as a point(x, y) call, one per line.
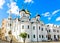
point(38, 15)
point(22, 10)
point(27, 12)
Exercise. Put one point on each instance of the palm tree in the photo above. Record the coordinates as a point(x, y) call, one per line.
point(23, 35)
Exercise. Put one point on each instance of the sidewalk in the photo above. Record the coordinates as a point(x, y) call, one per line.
point(29, 42)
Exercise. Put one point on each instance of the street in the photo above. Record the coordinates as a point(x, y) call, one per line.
point(29, 42)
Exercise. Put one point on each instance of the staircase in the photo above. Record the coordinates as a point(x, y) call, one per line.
point(13, 38)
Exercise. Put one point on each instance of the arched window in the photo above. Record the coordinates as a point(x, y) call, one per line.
point(22, 26)
point(49, 30)
point(54, 36)
point(42, 29)
point(28, 36)
point(39, 36)
point(33, 36)
point(39, 27)
point(33, 27)
point(42, 36)
point(28, 26)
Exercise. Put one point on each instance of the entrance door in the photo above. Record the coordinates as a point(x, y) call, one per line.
point(49, 37)
point(54, 36)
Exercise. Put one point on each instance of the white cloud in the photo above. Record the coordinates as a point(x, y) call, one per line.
point(2, 3)
point(13, 8)
point(58, 19)
point(56, 11)
point(28, 1)
point(46, 14)
point(50, 15)
point(49, 18)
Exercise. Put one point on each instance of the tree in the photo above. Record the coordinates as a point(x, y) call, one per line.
point(23, 35)
point(10, 35)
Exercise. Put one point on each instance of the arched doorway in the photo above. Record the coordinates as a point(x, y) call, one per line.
point(49, 37)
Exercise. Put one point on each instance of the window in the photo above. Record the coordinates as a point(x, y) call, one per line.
point(32, 22)
point(39, 27)
point(28, 26)
point(22, 26)
point(39, 36)
point(10, 24)
point(49, 30)
point(42, 29)
point(54, 36)
point(33, 36)
point(46, 36)
point(28, 36)
point(57, 31)
point(58, 36)
point(33, 27)
point(42, 36)
point(22, 21)
point(54, 30)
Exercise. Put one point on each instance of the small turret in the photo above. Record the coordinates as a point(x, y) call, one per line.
point(38, 17)
point(22, 13)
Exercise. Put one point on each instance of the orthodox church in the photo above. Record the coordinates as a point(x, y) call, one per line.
point(36, 29)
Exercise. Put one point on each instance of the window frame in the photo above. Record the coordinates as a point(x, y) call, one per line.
point(33, 27)
point(22, 26)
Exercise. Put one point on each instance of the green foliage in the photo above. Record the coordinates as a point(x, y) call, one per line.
point(23, 35)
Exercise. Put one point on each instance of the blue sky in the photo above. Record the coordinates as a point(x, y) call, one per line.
point(48, 9)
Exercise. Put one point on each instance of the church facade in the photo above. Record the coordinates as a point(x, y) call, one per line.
point(36, 30)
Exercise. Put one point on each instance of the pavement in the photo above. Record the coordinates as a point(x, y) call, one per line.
point(29, 42)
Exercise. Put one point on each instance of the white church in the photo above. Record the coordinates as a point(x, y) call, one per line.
point(34, 27)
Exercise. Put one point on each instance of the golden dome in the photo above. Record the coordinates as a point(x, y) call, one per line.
point(27, 12)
